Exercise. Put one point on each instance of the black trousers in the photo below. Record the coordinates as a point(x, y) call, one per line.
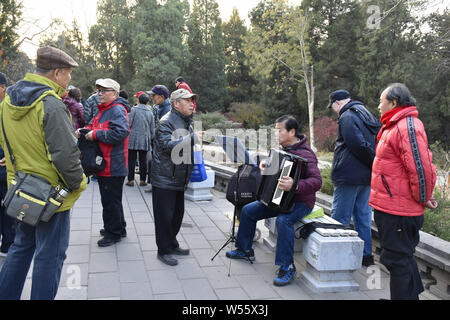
point(111, 189)
point(399, 237)
point(168, 211)
point(132, 156)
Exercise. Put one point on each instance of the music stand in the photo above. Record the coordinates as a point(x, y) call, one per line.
point(237, 153)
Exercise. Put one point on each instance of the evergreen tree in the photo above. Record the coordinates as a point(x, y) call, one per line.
point(206, 72)
point(111, 40)
point(238, 73)
point(158, 47)
point(334, 30)
point(10, 16)
point(436, 87)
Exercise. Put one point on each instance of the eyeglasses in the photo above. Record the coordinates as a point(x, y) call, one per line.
point(102, 91)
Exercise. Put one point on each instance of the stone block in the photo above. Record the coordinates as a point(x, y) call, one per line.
point(201, 191)
point(333, 253)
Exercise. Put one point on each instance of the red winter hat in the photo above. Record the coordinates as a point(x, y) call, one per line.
point(138, 94)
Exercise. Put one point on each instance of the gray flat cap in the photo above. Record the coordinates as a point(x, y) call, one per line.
point(50, 58)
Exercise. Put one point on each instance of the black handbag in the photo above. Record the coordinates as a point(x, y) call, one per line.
point(243, 185)
point(91, 156)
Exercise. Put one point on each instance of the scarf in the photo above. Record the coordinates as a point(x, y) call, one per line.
point(386, 120)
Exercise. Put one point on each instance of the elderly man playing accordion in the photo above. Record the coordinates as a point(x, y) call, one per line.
point(292, 141)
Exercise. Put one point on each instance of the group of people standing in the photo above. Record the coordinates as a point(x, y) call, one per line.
point(386, 167)
point(43, 121)
point(383, 166)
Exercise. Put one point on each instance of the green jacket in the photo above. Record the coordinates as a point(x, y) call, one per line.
point(41, 135)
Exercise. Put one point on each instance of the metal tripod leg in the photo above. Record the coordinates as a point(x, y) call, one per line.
point(232, 237)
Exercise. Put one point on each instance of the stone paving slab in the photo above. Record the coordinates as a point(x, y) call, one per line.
point(130, 269)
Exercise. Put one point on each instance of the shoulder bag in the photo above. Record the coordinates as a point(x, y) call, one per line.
point(31, 198)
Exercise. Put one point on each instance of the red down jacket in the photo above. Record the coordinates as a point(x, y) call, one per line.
point(403, 176)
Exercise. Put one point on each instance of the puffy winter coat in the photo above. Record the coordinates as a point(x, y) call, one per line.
point(41, 136)
point(111, 129)
point(174, 135)
point(355, 145)
point(77, 111)
point(403, 176)
point(312, 180)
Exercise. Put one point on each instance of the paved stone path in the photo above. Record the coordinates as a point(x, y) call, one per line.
point(131, 270)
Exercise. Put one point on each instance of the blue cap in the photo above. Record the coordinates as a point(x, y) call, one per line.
point(159, 89)
point(338, 95)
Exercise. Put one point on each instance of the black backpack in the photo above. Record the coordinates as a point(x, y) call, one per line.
point(243, 185)
point(91, 157)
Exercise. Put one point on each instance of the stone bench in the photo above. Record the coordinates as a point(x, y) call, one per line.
point(331, 255)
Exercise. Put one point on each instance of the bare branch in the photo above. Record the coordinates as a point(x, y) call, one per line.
point(30, 38)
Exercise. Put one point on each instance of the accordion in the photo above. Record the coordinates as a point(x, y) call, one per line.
point(280, 164)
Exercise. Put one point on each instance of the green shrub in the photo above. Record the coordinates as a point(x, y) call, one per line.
point(327, 184)
point(210, 120)
point(437, 221)
point(249, 114)
point(213, 120)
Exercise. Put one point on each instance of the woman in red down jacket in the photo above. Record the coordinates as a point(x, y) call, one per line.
point(403, 179)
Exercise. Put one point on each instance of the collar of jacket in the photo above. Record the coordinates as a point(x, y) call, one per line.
point(187, 119)
point(347, 106)
point(299, 144)
point(107, 105)
point(32, 77)
point(406, 111)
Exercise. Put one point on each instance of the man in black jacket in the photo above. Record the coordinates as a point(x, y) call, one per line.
point(171, 170)
point(354, 153)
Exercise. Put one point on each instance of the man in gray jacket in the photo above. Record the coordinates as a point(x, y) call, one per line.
point(171, 170)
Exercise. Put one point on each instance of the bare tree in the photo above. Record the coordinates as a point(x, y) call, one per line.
point(306, 72)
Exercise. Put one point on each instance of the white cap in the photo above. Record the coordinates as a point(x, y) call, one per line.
point(108, 83)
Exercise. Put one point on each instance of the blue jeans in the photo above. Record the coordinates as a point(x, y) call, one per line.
point(47, 242)
point(255, 211)
point(353, 200)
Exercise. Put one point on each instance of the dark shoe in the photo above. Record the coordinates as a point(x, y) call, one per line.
point(168, 259)
point(241, 254)
point(180, 252)
point(107, 241)
point(142, 183)
point(367, 261)
point(123, 234)
point(285, 277)
point(130, 183)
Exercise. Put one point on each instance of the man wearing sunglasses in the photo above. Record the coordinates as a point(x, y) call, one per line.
point(111, 129)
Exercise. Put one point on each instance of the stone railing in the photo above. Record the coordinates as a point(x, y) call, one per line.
point(432, 254)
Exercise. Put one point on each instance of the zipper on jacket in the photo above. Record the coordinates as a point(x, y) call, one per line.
point(386, 185)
